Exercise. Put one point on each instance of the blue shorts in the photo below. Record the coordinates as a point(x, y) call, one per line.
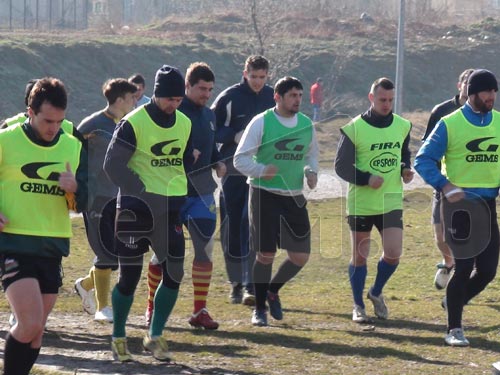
point(200, 207)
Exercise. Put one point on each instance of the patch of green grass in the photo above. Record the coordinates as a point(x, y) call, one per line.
point(317, 335)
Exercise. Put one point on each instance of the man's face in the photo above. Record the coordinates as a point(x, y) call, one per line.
point(200, 92)
point(128, 102)
point(140, 91)
point(256, 79)
point(47, 122)
point(382, 101)
point(289, 104)
point(169, 105)
point(484, 101)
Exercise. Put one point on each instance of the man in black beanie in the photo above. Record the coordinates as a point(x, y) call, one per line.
point(146, 159)
point(468, 142)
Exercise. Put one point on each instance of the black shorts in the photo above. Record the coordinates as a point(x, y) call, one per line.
point(138, 226)
point(48, 271)
point(391, 219)
point(278, 221)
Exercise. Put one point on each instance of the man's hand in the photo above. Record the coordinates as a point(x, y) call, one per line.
point(375, 181)
point(220, 169)
point(67, 180)
point(312, 179)
point(269, 172)
point(407, 175)
point(453, 193)
point(196, 155)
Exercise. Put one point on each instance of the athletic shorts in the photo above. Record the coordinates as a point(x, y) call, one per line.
point(137, 228)
point(48, 271)
point(200, 207)
point(278, 221)
point(391, 219)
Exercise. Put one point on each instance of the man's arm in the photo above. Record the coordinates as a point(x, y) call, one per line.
point(248, 147)
point(120, 150)
point(431, 152)
point(222, 108)
point(345, 163)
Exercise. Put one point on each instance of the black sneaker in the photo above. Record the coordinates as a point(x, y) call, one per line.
point(273, 300)
point(236, 295)
point(259, 318)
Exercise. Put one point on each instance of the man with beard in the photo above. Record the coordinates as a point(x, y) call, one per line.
point(444, 269)
point(468, 143)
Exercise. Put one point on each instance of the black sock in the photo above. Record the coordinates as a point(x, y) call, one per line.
point(285, 273)
point(15, 355)
point(261, 276)
point(32, 357)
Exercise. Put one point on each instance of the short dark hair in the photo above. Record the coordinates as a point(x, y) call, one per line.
point(256, 62)
point(464, 76)
point(383, 82)
point(285, 84)
point(199, 71)
point(138, 79)
point(28, 88)
point(48, 89)
point(115, 88)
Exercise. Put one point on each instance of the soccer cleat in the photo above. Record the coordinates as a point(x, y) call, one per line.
point(202, 319)
point(12, 320)
point(456, 338)
point(259, 318)
point(236, 295)
point(443, 276)
point(248, 298)
point(158, 347)
point(496, 368)
point(149, 313)
point(359, 315)
point(378, 304)
point(106, 315)
point(87, 296)
point(120, 350)
point(273, 300)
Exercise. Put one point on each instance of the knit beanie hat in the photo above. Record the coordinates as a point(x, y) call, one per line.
point(168, 82)
point(481, 80)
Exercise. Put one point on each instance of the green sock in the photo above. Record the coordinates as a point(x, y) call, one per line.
point(164, 303)
point(121, 308)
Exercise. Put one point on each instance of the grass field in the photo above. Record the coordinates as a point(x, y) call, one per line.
point(316, 335)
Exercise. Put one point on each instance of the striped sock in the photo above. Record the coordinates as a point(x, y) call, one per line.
point(154, 278)
point(102, 282)
point(201, 274)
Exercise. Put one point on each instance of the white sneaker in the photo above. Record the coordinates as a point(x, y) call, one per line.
point(87, 297)
point(443, 276)
point(12, 320)
point(496, 368)
point(106, 314)
point(379, 305)
point(456, 338)
point(359, 315)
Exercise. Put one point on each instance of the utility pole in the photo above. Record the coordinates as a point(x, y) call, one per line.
point(398, 104)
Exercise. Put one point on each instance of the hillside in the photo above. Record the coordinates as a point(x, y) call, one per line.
point(348, 54)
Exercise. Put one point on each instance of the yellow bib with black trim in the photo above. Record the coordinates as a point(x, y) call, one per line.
point(378, 151)
point(472, 154)
point(31, 199)
point(158, 159)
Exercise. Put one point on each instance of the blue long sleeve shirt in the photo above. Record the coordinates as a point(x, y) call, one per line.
point(434, 148)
